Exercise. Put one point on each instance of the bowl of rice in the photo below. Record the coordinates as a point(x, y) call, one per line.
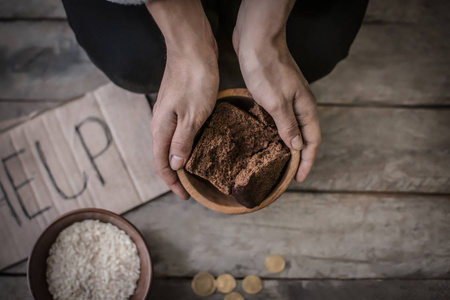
point(90, 254)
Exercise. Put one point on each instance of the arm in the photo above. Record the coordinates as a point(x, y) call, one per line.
point(273, 77)
point(189, 86)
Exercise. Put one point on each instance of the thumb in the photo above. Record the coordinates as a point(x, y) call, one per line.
point(181, 145)
point(287, 126)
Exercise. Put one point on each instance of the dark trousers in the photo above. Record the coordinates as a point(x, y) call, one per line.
point(127, 45)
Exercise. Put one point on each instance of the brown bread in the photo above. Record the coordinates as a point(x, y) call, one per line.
point(236, 150)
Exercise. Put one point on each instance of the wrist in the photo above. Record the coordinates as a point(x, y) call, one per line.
point(261, 24)
point(185, 27)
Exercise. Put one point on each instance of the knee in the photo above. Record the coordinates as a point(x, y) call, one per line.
point(321, 63)
point(134, 75)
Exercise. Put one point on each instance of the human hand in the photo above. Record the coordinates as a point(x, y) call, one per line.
point(188, 89)
point(274, 79)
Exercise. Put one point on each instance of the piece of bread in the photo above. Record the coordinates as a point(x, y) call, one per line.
point(234, 142)
point(263, 170)
point(262, 115)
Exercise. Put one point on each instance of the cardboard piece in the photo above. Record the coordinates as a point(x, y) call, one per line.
point(90, 152)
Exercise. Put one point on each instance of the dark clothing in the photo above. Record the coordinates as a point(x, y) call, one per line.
point(126, 44)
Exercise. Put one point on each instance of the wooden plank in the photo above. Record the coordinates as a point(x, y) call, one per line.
point(17, 269)
point(17, 109)
point(32, 9)
point(46, 65)
point(392, 65)
point(381, 149)
point(331, 236)
point(12, 288)
point(368, 149)
point(407, 11)
point(399, 11)
point(320, 235)
point(316, 290)
point(389, 64)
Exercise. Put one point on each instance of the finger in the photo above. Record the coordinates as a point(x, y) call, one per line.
point(287, 125)
point(182, 141)
point(309, 123)
point(162, 135)
point(171, 179)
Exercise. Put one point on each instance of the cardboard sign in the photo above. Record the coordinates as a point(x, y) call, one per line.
point(90, 152)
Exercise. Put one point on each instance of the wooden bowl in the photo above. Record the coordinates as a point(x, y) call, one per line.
point(206, 194)
point(37, 263)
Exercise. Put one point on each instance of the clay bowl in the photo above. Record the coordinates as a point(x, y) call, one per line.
point(207, 195)
point(37, 265)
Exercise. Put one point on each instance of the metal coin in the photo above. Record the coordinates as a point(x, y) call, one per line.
point(252, 284)
point(203, 284)
point(234, 296)
point(225, 283)
point(275, 263)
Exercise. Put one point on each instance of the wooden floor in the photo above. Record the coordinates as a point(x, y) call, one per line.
point(373, 219)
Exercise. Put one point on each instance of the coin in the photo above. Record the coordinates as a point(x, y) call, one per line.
point(225, 283)
point(203, 284)
point(234, 296)
point(252, 284)
point(275, 263)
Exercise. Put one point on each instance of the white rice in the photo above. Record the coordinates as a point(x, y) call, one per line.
point(92, 260)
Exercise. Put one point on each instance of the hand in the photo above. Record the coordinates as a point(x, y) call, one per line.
point(188, 89)
point(274, 79)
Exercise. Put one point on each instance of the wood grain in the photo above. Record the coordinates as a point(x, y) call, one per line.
point(16, 109)
point(15, 288)
point(320, 235)
point(317, 290)
point(379, 150)
point(46, 65)
point(400, 57)
point(389, 64)
point(24, 9)
point(392, 64)
point(382, 150)
point(407, 11)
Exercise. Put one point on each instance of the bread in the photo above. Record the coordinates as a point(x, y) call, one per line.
point(262, 172)
point(240, 154)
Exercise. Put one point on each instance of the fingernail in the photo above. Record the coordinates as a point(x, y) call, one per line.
point(297, 143)
point(176, 162)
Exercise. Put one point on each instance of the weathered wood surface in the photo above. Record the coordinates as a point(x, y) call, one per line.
point(16, 109)
point(42, 61)
point(164, 289)
point(408, 11)
point(400, 56)
point(373, 150)
point(389, 64)
point(393, 64)
point(318, 290)
point(381, 149)
point(32, 9)
point(15, 288)
point(45, 9)
point(321, 235)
